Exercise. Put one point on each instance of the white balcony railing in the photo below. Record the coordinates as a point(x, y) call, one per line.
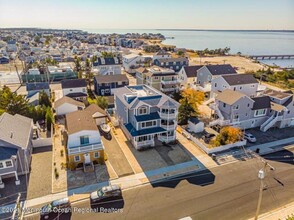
point(165, 138)
point(169, 82)
point(169, 126)
point(144, 143)
point(168, 89)
point(86, 148)
point(168, 115)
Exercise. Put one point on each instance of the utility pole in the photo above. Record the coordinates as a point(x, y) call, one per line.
point(261, 176)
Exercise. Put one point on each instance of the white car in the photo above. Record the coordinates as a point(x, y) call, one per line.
point(250, 137)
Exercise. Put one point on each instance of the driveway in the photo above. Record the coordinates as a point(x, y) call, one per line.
point(116, 157)
point(40, 181)
point(274, 134)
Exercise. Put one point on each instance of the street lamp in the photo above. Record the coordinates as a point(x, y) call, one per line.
point(261, 175)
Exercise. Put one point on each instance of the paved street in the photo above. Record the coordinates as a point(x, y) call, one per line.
point(226, 192)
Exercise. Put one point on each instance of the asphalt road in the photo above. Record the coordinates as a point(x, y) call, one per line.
point(226, 192)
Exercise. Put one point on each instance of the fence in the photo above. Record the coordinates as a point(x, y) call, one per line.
point(215, 149)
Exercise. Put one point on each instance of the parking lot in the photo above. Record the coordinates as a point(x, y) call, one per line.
point(273, 134)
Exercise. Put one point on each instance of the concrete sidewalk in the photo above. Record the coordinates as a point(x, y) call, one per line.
point(126, 182)
point(267, 148)
point(281, 213)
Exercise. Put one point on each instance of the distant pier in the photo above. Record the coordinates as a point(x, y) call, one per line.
point(269, 57)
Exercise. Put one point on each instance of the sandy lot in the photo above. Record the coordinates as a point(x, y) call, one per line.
point(241, 63)
point(10, 67)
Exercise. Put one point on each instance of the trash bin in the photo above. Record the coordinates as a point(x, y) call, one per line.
point(213, 156)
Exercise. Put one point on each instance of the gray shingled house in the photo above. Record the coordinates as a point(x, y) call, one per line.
point(16, 134)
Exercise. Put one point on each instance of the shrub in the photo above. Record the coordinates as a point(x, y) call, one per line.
point(227, 135)
point(61, 153)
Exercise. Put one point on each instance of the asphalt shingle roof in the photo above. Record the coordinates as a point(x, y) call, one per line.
point(111, 78)
point(15, 129)
point(79, 121)
point(261, 102)
point(37, 86)
point(146, 131)
point(66, 99)
point(221, 69)
point(73, 83)
point(229, 96)
point(240, 79)
point(148, 117)
point(7, 152)
point(191, 71)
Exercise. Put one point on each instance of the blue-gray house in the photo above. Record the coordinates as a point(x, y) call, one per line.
point(172, 63)
point(146, 116)
point(105, 84)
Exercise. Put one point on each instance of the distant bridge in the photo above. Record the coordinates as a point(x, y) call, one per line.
point(269, 57)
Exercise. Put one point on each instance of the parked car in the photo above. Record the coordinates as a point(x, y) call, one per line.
point(55, 208)
point(250, 137)
point(106, 193)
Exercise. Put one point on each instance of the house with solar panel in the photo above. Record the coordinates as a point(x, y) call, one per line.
point(147, 116)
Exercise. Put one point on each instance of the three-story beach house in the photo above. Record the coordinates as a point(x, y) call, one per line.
point(162, 79)
point(146, 115)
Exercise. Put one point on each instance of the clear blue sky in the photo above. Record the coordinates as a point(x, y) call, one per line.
point(148, 14)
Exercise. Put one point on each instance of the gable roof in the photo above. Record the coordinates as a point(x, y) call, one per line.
point(73, 83)
point(239, 79)
point(37, 86)
point(178, 59)
point(277, 94)
point(93, 108)
point(261, 102)
point(15, 129)
point(229, 96)
point(7, 152)
point(142, 70)
point(111, 78)
point(221, 69)
point(107, 61)
point(66, 99)
point(80, 121)
point(191, 71)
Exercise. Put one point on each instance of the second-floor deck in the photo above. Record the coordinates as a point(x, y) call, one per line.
point(85, 148)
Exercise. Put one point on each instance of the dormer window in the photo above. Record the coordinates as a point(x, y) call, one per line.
point(142, 111)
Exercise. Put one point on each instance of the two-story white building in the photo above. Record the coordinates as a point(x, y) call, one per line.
point(75, 88)
point(244, 83)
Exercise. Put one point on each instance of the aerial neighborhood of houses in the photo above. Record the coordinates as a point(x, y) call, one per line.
point(108, 103)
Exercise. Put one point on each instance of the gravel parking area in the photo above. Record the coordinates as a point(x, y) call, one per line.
point(273, 134)
point(40, 181)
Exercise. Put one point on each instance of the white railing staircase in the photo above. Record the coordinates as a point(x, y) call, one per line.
point(269, 122)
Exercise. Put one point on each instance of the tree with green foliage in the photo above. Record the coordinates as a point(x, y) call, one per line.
point(49, 118)
point(106, 54)
point(78, 66)
point(12, 103)
point(44, 99)
point(180, 53)
point(102, 102)
point(186, 111)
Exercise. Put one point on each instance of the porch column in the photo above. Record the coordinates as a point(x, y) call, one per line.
point(17, 181)
point(1, 183)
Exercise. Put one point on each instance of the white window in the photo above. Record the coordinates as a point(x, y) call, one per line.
point(77, 158)
point(260, 112)
point(8, 163)
point(106, 90)
point(84, 90)
point(96, 155)
point(1, 165)
point(142, 111)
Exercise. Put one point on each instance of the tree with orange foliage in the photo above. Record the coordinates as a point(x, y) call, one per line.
point(227, 135)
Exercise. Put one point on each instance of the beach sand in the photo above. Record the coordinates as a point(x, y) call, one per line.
point(241, 63)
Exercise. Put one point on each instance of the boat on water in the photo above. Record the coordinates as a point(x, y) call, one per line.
point(105, 128)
